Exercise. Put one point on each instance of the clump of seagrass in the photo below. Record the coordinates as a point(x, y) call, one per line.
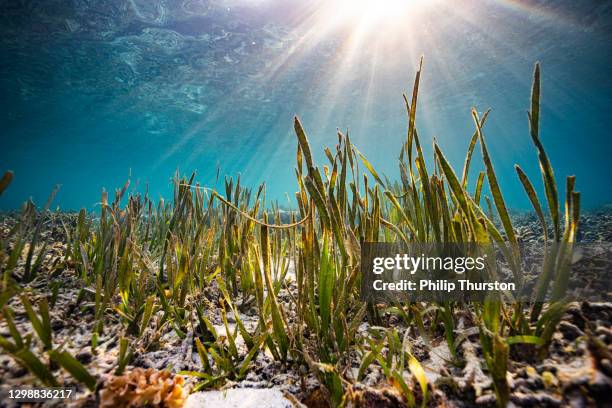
point(140, 388)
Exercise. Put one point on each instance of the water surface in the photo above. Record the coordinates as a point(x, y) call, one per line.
point(93, 92)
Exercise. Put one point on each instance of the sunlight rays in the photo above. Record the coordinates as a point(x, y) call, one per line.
point(347, 57)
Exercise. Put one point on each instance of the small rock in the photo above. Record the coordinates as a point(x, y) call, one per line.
point(519, 383)
point(570, 331)
point(604, 334)
point(486, 400)
point(18, 371)
point(537, 399)
point(57, 324)
point(606, 366)
point(548, 367)
point(239, 398)
point(84, 357)
point(600, 386)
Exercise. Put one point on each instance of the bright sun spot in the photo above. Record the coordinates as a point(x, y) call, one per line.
point(373, 12)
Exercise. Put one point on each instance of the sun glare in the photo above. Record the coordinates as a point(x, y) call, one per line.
point(372, 12)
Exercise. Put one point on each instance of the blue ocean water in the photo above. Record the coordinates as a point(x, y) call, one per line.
point(94, 92)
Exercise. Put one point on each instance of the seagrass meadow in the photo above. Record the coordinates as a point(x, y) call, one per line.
point(143, 302)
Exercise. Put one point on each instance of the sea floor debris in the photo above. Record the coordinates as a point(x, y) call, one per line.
point(574, 373)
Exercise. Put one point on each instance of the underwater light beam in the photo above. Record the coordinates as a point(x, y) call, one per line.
point(350, 39)
point(374, 11)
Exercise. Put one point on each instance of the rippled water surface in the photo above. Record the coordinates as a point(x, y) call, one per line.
point(93, 91)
